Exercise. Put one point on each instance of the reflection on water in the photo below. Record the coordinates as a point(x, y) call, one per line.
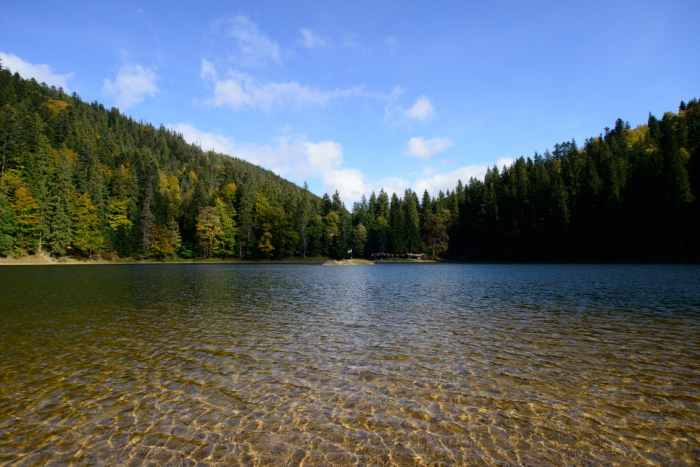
point(393, 364)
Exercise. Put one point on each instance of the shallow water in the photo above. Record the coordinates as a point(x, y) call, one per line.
point(404, 364)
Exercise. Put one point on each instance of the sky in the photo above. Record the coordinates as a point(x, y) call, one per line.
point(363, 95)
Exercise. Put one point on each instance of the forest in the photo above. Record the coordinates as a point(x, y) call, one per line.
point(79, 180)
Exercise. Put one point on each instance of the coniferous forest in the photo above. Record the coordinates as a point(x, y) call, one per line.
point(81, 180)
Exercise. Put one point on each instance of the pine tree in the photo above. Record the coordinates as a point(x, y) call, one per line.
point(676, 186)
point(343, 240)
point(411, 222)
point(148, 220)
point(60, 221)
point(397, 223)
point(38, 167)
point(246, 225)
point(7, 140)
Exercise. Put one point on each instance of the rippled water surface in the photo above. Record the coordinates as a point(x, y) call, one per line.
point(405, 364)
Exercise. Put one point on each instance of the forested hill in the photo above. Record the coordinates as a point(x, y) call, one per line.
point(80, 180)
point(630, 194)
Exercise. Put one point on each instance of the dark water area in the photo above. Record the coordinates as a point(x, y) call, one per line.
point(397, 364)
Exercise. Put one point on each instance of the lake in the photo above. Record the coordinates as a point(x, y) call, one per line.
point(398, 364)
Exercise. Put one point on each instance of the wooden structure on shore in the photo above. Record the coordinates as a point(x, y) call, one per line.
point(380, 256)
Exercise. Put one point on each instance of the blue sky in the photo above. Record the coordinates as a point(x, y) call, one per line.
point(363, 95)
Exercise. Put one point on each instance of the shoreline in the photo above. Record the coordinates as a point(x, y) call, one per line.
point(45, 260)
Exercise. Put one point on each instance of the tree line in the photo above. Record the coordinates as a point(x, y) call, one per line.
point(80, 180)
point(630, 194)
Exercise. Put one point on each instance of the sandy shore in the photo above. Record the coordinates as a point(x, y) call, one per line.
point(47, 260)
point(347, 262)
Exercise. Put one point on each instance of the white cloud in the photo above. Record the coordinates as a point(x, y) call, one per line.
point(324, 155)
point(310, 39)
point(427, 172)
point(426, 148)
point(350, 184)
point(422, 110)
point(241, 91)
point(131, 85)
point(325, 159)
point(448, 181)
point(255, 47)
point(208, 72)
point(40, 72)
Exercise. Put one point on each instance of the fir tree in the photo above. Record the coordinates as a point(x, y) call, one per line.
point(60, 223)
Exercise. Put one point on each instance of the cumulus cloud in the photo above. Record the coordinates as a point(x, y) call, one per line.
point(448, 181)
point(422, 110)
point(241, 91)
point(40, 72)
point(255, 48)
point(325, 159)
point(131, 85)
point(325, 155)
point(310, 39)
point(427, 148)
point(350, 184)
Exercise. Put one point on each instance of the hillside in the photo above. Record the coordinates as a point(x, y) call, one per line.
point(629, 194)
point(82, 180)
